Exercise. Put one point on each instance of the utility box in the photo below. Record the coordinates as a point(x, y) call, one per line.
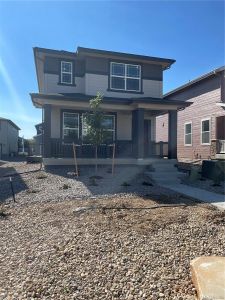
point(213, 169)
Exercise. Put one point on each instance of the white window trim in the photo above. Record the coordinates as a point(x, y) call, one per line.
point(125, 77)
point(186, 123)
point(206, 119)
point(63, 72)
point(114, 122)
point(78, 129)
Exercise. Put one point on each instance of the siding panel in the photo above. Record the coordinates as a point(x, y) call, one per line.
point(204, 96)
point(99, 83)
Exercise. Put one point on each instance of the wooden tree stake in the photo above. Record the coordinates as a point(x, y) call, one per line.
point(113, 159)
point(75, 160)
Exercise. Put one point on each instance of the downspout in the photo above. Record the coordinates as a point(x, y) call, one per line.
point(222, 86)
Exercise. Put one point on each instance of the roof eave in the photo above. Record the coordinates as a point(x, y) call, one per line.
point(166, 61)
point(195, 81)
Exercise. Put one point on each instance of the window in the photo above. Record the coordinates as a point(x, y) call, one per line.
point(205, 132)
point(66, 72)
point(70, 126)
point(125, 77)
point(188, 134)
point(108, 125)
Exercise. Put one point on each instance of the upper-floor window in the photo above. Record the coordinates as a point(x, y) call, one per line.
point(205, 132)
point(188, 134)
point(125, 77)
point(66, 72)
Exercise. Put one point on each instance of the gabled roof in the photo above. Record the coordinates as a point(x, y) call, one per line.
point(194, 81)
point(10, 122)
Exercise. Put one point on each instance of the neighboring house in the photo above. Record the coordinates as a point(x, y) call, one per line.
point(132, 88)
point(9, 133)
point(38, 139)
point(201, 126)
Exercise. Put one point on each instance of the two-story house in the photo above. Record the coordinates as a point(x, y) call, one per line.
point(131, 86)
point(201, 126)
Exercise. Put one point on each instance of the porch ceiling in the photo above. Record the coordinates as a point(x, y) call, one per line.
point(82, 101)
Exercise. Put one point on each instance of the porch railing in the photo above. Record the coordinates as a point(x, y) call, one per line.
point(59, 149)
point(221, 146)
point(217, 147)
point(122, 148)
point(161, 149)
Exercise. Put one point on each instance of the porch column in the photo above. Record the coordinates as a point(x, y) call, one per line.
point(138, 132)
point(172, 134)
point(47, 131)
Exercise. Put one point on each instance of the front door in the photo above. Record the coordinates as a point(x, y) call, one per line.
point(147, 138)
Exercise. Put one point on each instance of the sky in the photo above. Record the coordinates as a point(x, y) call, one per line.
point(191, 32)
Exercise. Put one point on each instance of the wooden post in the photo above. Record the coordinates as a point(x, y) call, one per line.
point(11, 184)
point(113, 159)
point(75, 159)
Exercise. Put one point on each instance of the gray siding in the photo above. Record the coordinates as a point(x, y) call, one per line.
point(51, 85)
point(91, 75)
point(55, 122)
point(99, 83)
point(8, 138)
point(96, 65)
point(52, 65)
point(124, 126)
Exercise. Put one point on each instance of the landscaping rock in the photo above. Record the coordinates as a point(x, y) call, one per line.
point(53, 246)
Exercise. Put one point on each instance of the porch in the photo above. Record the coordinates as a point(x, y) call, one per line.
point(131, 123)
point(133, 135)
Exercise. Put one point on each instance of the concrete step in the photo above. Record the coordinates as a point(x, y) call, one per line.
point(208, 276)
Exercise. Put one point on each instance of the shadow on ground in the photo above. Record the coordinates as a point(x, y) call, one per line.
point(18, 183)
point(126, 179)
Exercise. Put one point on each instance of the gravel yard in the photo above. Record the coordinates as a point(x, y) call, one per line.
point(123, 247)
point(60, 183)
point(205, 184)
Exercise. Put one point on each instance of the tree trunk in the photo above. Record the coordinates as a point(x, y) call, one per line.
point(96, 157)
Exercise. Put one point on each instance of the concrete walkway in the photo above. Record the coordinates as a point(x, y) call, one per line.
point(166, 175)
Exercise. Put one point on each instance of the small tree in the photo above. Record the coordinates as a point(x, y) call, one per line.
point(96, 134)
